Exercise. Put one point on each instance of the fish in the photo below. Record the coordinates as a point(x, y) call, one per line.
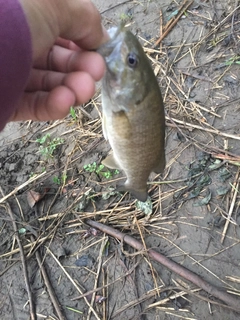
point(133, 117)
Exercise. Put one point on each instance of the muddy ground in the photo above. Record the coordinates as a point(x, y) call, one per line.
point(195, 216)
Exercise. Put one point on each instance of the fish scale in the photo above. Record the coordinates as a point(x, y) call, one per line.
point(133, 112)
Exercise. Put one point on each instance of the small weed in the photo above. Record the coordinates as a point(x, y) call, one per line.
point(91, 167)
point(123, 17)
point(100, 170)
point(56, 180)
point(32, 174)
point(235, 59)
point(126, 16)
point(48, 145)
point(61, 180)
point(73, 113)
point(43, 139)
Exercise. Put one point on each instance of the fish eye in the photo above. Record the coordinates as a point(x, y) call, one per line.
point(132, 60)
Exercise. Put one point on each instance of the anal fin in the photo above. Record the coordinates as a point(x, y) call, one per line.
point(111, 162)
point(161, 165)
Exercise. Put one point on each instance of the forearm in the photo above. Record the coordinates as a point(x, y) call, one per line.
point(15, 56)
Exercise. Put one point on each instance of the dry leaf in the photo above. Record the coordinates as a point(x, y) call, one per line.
point(33, 197)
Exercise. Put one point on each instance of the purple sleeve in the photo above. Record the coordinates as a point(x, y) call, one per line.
point(15, 56)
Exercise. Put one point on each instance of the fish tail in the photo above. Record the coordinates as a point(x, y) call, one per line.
point(140, 194)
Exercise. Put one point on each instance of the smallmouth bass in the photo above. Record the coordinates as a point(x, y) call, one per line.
point(133, 112)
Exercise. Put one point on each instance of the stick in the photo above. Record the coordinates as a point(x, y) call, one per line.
point(74, 283)
point(235, 189)
point(108, 284)
point(51, 292)
point(21, 186)
point(216, 131)
point(116, 5)
point(100, 258)
point(173, 22)
point(171, 265)
point(161, 28)
point(25, 272)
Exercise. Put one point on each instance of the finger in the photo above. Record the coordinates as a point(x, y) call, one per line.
point(78, 21)
point(82, 84)
point(44, 80)
point(68, 44)
point(84, 26)
point(55, 104)
point(64, 60)
point(44, 106)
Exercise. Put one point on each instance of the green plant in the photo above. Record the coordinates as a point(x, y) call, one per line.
point(100, 170)
point(126, 16)
point(123, 16)
point(56, 180)
point(73, 113)
point(48, 145)
point(230, 61)
point(61, 180)
point(32, 174)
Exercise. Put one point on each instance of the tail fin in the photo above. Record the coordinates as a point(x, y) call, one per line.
point(140, 194)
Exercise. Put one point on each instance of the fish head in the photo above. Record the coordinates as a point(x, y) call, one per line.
point(127, 79)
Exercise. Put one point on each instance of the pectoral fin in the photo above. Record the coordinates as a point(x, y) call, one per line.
point(111, 162)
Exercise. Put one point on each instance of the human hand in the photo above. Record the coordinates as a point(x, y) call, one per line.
point(64, 69)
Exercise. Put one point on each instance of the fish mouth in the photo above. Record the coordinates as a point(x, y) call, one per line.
point(107, 48)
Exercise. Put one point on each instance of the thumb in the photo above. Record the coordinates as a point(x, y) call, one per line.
point(78, 21)
point(84, 25)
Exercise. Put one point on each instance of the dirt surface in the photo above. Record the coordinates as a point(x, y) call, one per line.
point(194, 218)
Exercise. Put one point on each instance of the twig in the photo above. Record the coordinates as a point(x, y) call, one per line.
point(171, 265)
point(226, 157)
point(235, 189)
point(74, 283)
point(48, 285)
point(179, 129)
point(172, 297)
point(25, 272)
point(173, 22)
point(29, 245)
point(143, 298)
point(211, 32)
point(196, 76)
point(104, 294)
point(116, 5)
point(145, 250)
point(21, 187)
point(107, 285)
point(231, 160)
point(100, 258)
point(161, 28)
point(216, 131)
